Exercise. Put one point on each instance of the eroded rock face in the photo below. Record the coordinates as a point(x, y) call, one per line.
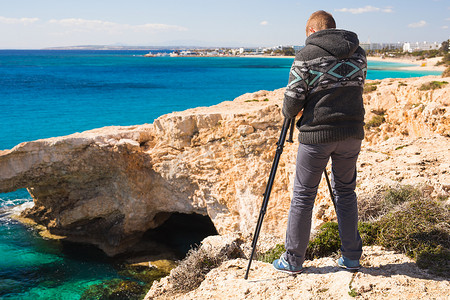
point(108, 186)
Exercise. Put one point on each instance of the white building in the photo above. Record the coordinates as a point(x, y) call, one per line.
point(420, 46)
point(379, 46)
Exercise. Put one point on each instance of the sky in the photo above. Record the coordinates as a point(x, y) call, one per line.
point(37, 24)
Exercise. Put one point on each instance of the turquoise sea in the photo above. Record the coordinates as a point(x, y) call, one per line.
point(45, 93)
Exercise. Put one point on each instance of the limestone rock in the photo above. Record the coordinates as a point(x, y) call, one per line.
point(108, 186)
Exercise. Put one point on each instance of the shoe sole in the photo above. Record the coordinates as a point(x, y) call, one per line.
point(349, 268)
point(287, 271)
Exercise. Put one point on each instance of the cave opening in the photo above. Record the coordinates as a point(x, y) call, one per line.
point(181, 232)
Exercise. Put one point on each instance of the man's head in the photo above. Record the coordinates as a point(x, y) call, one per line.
point(319, 20)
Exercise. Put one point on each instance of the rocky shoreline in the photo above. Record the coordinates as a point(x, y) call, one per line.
point(109, 186)
point(384, 275)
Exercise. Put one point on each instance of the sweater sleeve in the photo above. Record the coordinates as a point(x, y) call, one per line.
point(294, 97)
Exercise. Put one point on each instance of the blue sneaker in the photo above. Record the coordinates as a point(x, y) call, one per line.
point(283, 266)
point(349, 264)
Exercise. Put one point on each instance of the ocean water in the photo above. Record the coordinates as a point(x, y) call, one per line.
point(47, 93)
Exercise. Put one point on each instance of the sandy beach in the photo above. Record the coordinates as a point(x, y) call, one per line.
point(426, 64)
point(418, 65)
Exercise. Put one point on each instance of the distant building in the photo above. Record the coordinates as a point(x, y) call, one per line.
point(365, 46)
point(187, 53)
point(420, 46)
point(407, 47)
point(380, 46)
point(297, 48)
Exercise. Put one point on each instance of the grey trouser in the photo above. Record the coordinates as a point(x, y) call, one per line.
point(311, 162)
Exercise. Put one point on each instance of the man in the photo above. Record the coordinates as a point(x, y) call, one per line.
point(326, 82)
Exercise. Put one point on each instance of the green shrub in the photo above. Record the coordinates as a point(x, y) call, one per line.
point(352, 293)
point(370, 87)
point(376, 121)
point(420, 228)
point(325, 242)
point(433, 85)
point(446, 72)
point(406, 221)
point(437, 260)
point(400, 195)
point(368, 232)
point(272, 254)
point(445, 60)
point(378, 112)
point(442, 197)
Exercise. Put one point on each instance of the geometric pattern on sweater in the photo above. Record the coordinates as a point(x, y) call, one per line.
point(325, 73)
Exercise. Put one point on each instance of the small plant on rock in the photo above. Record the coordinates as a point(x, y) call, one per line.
point(325, 243)
point(401, 195)
point(376, 121)
point(446, 72)
point(192, 270)
point(272, 254)
point(433, 85)
point(370, 87)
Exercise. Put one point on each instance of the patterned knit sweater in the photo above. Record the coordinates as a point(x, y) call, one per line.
point(326, 80)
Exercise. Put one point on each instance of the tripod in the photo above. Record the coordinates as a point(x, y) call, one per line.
point(287, 124)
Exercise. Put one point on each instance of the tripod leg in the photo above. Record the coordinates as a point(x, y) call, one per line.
point(280, 145)
point(329, 188)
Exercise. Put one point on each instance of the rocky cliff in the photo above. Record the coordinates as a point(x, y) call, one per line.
point(108, 186)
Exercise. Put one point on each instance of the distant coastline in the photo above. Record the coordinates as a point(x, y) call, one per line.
point(428, 64)
point(417, 65)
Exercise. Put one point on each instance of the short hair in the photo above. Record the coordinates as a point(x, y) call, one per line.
point(320, 20)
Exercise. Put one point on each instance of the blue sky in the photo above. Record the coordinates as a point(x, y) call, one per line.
point(34, 24)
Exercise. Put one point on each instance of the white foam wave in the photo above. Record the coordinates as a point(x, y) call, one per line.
point(21, 207)
point(14, 207)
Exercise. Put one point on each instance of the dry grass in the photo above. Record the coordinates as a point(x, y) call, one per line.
point(376, 121)
point(433, 85)
point(370, 87)
point(420, 228)
point(446, 72)
point(192, 270)
point(404, 219)
point(408, 220)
